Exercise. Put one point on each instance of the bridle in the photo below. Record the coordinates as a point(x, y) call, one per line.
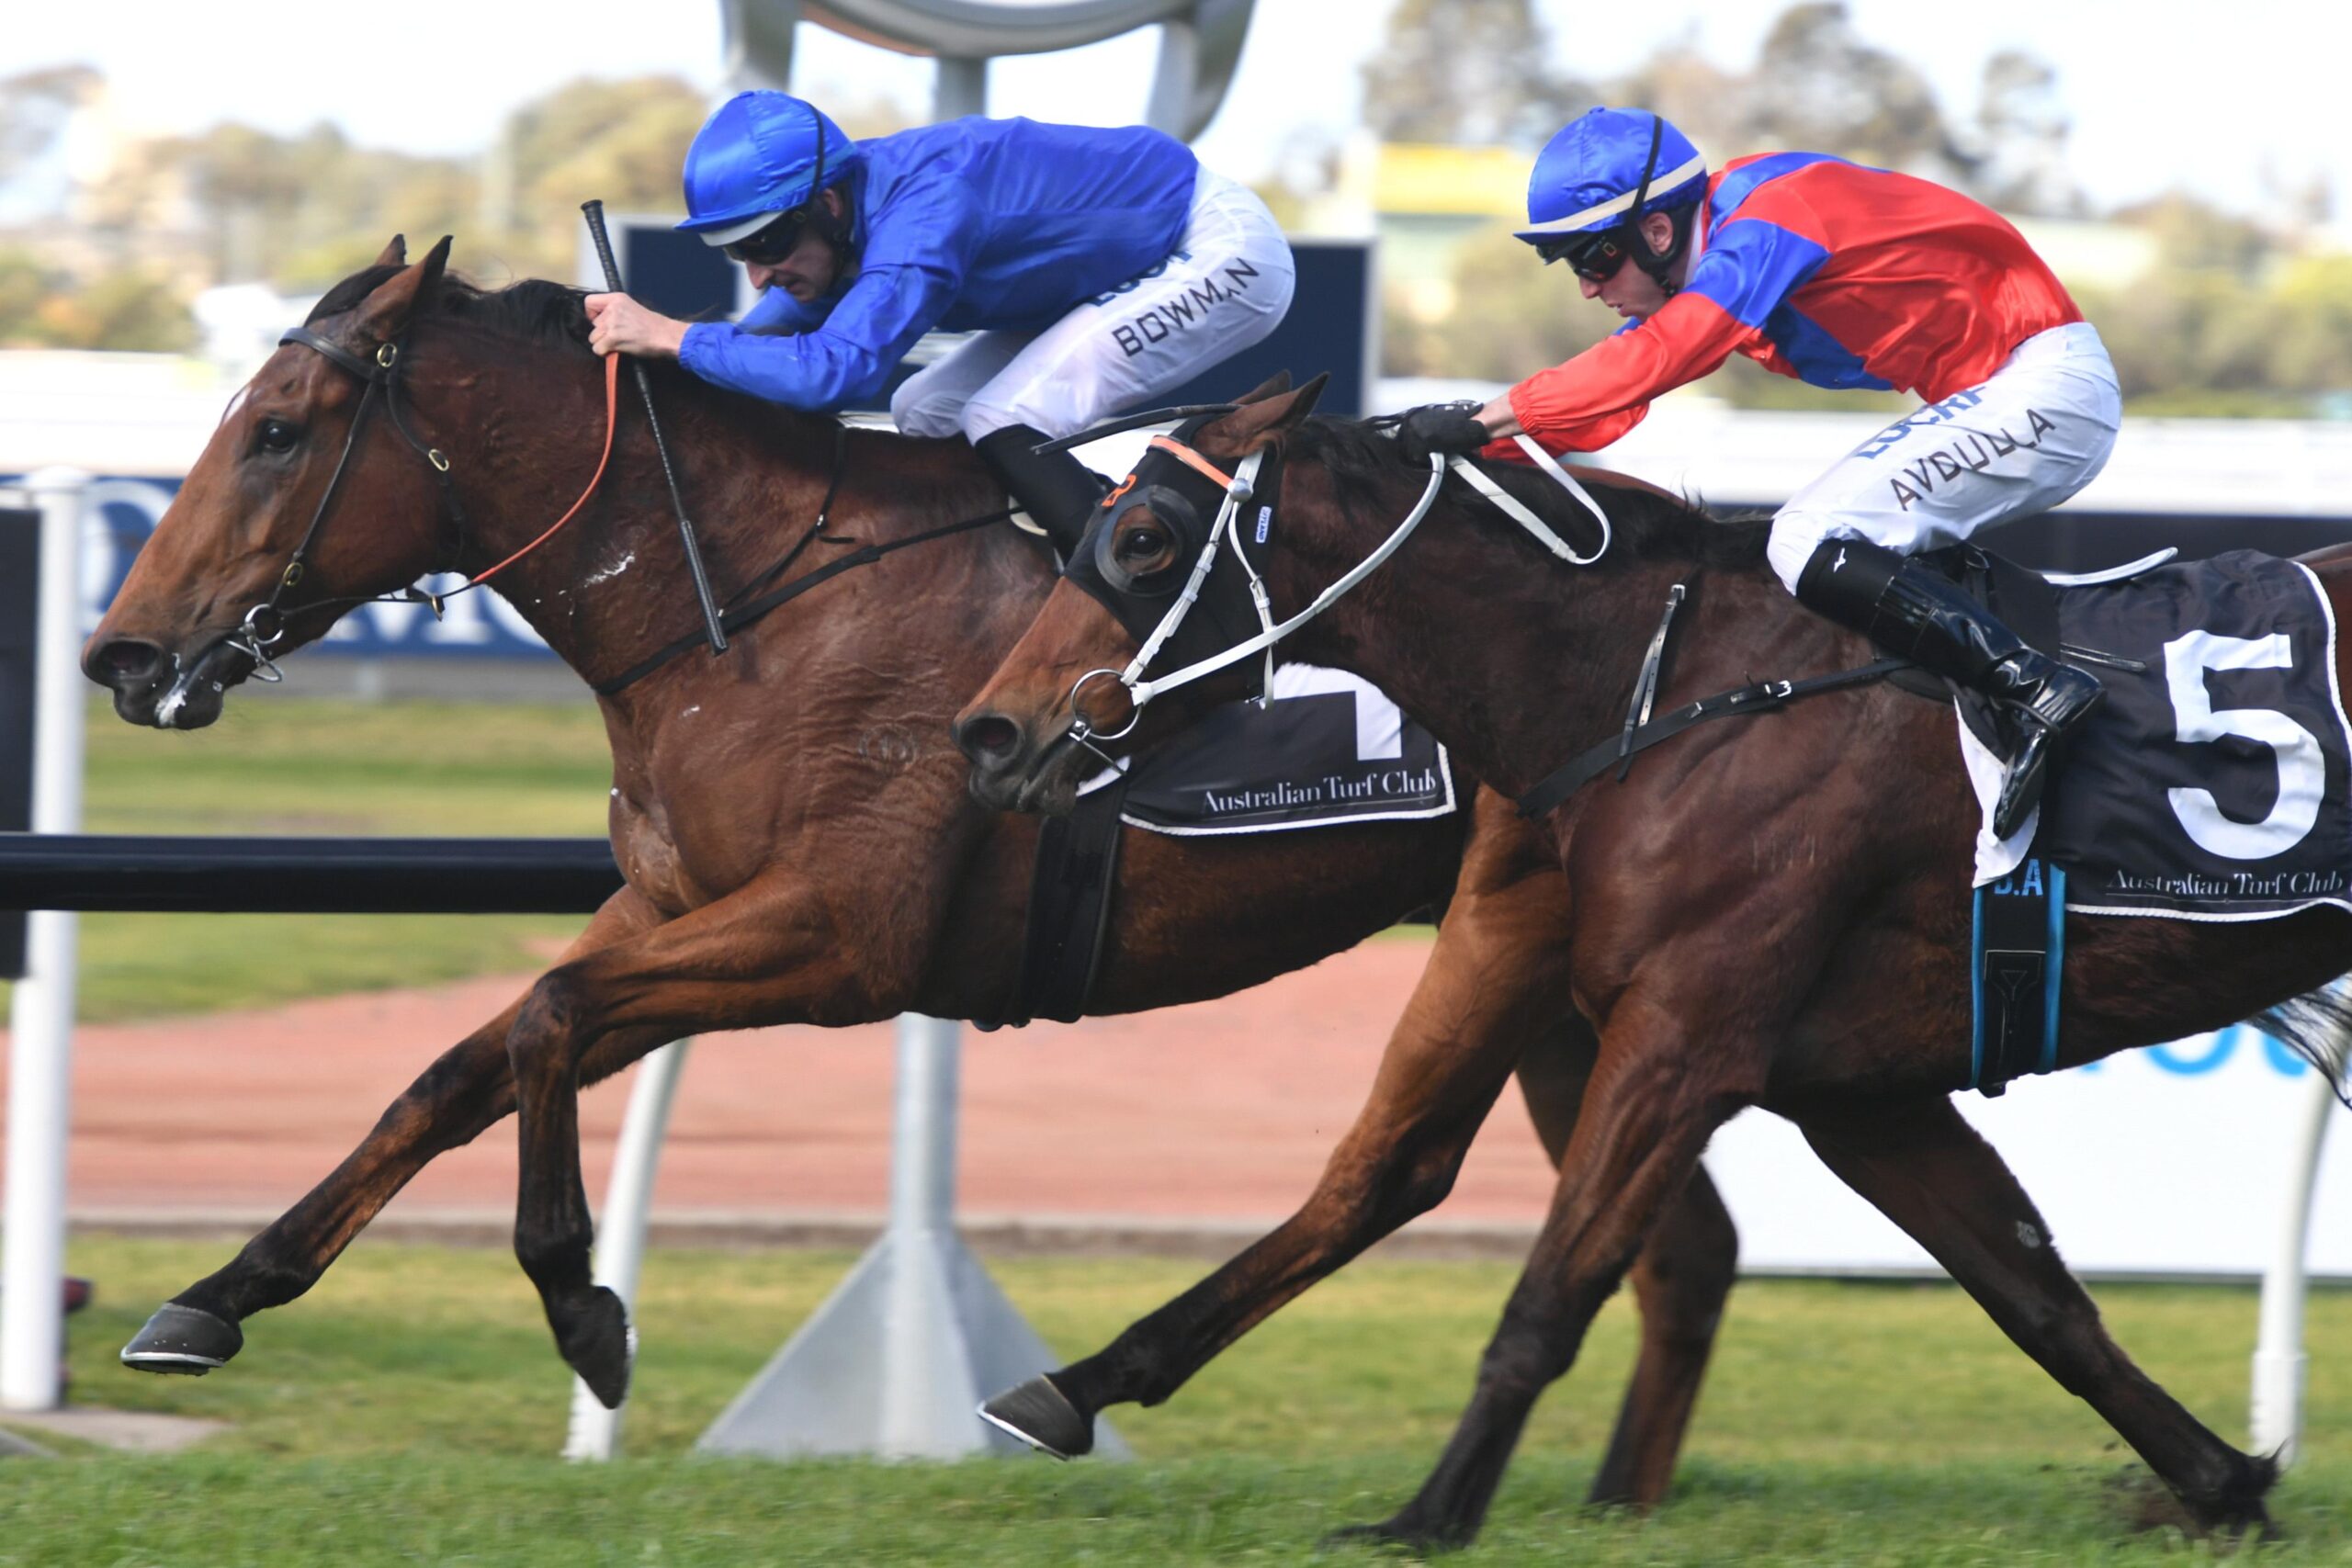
point(264, 626)
point(1241, 486)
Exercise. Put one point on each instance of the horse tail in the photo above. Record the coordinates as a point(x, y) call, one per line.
point(2316, 1026)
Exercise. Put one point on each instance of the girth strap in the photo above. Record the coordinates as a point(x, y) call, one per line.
point(1764, 697)
point(745, 615)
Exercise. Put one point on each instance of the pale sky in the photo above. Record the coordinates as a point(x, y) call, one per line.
point(2218, 98)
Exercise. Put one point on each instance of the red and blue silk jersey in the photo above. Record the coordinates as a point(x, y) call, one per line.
point(1836, 274)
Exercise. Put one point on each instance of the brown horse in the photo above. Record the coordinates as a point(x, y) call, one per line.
point(793, 823)
point(1769, 912)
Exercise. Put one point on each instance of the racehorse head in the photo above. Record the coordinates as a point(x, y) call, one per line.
point(1166, 576)
point(291, 513)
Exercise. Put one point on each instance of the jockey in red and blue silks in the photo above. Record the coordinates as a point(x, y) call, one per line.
point(1095, 268)
point(1842, 276)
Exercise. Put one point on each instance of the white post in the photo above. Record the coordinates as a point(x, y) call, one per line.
point(595, 1431)
point(922, 1354)
point(2278, 1359)
point(32, 1252)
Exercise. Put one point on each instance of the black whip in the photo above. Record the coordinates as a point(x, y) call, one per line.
point(712, 631)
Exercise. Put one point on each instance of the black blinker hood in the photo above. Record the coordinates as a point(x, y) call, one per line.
point(1186, 503)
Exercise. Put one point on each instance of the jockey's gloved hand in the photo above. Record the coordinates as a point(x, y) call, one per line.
point(1440, 428)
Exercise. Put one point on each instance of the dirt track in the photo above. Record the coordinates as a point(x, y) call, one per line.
point(1223, 1110)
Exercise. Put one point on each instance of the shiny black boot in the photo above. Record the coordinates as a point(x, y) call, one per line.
point(1057, 490)
point(1916, 613)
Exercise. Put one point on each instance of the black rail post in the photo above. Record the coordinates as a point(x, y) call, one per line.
point(19, 648)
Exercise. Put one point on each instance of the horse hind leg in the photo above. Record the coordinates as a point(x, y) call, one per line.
point(1927, 1169)
point(466, 1090)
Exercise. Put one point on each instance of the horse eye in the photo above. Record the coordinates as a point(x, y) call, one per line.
point(1141, 543)
point(277, 435)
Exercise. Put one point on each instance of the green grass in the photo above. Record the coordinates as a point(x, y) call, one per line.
point(284, 765)
point(409, 1409)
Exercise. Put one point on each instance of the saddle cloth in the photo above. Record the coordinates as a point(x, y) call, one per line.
point(2216, 783)
point(1327, 750)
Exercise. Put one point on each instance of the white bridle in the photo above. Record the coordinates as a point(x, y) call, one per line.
point(1242, 489)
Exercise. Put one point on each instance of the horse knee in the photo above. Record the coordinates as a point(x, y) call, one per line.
point(549, 1018)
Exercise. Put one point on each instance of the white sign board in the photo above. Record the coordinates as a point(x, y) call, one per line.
point(2170, 1160)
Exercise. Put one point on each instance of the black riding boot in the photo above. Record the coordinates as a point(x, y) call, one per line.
point(1057, 490)
point(1916, 613)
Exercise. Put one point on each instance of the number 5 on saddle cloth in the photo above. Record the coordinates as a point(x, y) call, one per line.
point(2214, 782)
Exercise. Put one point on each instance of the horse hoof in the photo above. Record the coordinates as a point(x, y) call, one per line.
point(1395, 1535)
point(1039, 1415)
point(600, 1344)
point(183, 1340)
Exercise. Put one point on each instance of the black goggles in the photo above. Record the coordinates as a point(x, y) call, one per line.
point(767, 246)
point(1593, 258)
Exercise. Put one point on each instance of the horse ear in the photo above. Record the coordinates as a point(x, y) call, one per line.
point(1278, 382)
point(1258, 423)
point(395, 254)
point(385, 314)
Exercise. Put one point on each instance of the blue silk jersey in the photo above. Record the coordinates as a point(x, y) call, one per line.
point(976, 224)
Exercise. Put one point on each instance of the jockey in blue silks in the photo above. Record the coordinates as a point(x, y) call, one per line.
point(1098, 267)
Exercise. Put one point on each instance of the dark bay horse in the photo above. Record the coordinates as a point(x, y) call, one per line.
point(791, 817)
point(1769, 911)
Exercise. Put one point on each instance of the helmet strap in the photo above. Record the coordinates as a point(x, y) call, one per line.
point(1659, 264)
point(835, 230)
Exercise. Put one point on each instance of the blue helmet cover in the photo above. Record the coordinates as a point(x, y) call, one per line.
point(758, 154)
point(1585, 179)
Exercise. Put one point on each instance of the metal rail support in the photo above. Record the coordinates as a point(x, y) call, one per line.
point(41, 1049)
point(896, 1360)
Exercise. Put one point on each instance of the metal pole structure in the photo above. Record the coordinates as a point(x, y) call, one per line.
point(41, 1049)
point(620, 1229)
point(2278, 1358)
point(959, 88)
point(895, 1361)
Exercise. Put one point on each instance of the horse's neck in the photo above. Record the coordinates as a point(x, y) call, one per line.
point(613, 586)
point(1516, 665)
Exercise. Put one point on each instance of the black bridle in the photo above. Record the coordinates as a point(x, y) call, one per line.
point(264, 626)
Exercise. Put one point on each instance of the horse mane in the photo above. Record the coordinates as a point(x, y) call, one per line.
point(538, 310)
point(1365, 465)
point(533, 307)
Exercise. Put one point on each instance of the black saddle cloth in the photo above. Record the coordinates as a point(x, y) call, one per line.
point(2215, 781)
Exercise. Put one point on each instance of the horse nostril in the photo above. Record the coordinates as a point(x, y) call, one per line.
point(988, 739)
point(125, 661)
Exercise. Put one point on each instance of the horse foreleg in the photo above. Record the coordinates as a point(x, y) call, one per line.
point(1931, 1172)
point(766, 954)
point(467, 1090)
point(1657, 1094)
point(1494, 979)
point(1680, 1279)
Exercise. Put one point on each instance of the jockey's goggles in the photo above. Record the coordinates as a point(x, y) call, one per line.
point(765, 247)
point(1594, 258)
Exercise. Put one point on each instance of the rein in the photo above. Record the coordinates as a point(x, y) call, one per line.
point(1239, 488)
point(1640, 731)
point(265, 623)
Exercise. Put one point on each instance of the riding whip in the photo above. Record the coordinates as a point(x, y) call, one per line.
point(711, 629)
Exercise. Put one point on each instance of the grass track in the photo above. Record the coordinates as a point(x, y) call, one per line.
point(408, 1408)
